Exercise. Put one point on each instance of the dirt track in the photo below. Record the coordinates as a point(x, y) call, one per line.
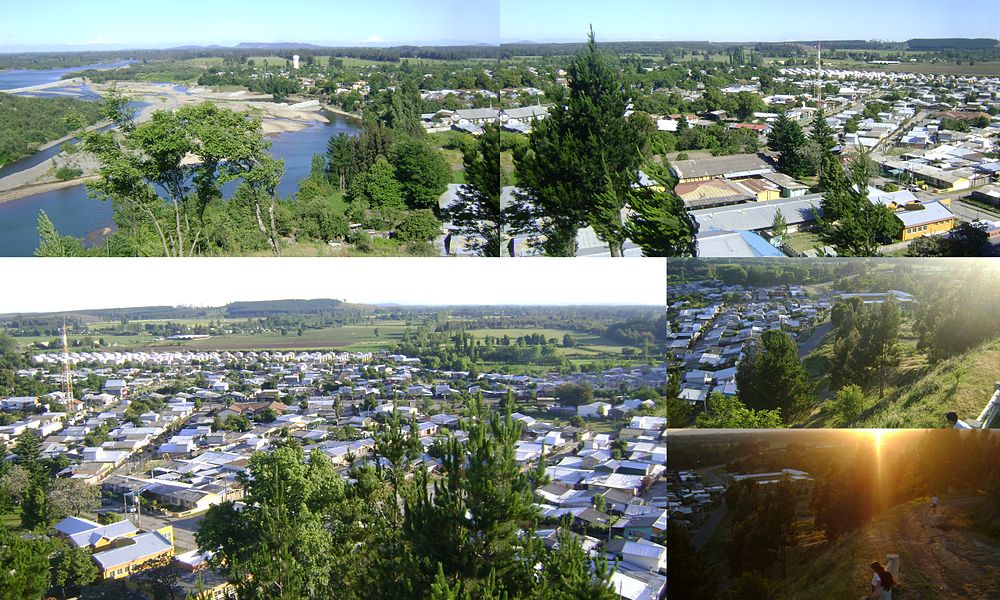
point(943, 556)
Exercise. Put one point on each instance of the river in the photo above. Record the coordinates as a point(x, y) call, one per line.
point(10, 80)
point(75, 214)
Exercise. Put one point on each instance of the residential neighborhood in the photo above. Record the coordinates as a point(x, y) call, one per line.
point(167, 435)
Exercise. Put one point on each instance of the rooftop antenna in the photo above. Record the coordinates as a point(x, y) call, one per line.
point(67, 369)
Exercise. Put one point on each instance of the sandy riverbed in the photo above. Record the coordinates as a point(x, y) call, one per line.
point(276, 118)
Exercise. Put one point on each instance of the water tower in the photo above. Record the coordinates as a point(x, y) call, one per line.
point(295, 61)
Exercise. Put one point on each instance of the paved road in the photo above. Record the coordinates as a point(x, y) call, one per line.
point(705, 531)
point(184, 528)
point(813, 341)
point(971, 212)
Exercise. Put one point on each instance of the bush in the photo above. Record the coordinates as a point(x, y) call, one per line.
point(361, 241)
point(418, 225)
point(682, 156)
point(67, 173)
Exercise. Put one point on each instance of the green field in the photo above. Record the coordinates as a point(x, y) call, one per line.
point(359, 338)
point(588, 345)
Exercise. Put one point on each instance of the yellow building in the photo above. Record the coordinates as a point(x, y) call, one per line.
point(933, 218)
point(131, 555)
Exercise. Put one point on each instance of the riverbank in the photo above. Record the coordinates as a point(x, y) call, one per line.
point(339, 111)
point(39, 188)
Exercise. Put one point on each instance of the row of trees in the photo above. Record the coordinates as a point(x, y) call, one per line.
point(865, 345)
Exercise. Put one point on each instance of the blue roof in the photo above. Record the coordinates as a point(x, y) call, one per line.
point(111, 531)
point(723, 243)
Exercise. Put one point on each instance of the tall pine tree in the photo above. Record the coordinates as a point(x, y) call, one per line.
point(580, 161)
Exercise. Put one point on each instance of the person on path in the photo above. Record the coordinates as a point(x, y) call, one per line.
point(882, 583)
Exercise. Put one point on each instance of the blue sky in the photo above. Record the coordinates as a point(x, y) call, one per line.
point(34, 25)
point(490, 281)
point(746, 20)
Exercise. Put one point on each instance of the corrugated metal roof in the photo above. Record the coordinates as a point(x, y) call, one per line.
point(742, 164)
point(146, 545)
point(728, 244)
point(111, 531)
point(757, 216)
point(932, 213)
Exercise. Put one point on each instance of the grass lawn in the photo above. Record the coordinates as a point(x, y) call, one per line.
point(507, 162)
point(803, 240)
point(209, 61)
point(272, 60)
point(11, 520)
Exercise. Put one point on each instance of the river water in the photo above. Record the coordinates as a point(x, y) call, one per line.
point(10, 80)
point(75, 214)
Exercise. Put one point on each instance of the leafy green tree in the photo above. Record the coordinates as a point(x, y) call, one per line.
point(28, 451)
point(850, 222)
point(747, 103)
point(728, 412)
point(72, 567)
point(51, 243)
point(786, 137)
point(421, 171)
point(771, 376)
point(574, 394)
point(24, 566)
point(687, 574)
point(279, 539)
point(470, 523)
point(822, 133)
point(378, 187)
point(585, 150)
point(779, 226)
point(418, 225)
point(71, 497)
point(849, 403)
point(660, 224)
point(141, 159)
point(568, 572)
point(476, 212)
point(34, 510)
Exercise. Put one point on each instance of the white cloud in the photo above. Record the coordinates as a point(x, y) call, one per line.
point(374, 39)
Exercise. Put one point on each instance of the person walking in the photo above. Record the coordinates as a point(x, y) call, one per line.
point(882, 583)
point(934, 505)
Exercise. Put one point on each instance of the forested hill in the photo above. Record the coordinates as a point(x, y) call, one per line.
point(952, 44)
point(266, 308)
point(27, 123)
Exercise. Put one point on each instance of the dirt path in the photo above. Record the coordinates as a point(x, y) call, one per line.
point(815, 339)
point(943, 556)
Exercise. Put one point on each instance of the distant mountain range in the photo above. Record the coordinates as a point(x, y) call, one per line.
point(303, 45)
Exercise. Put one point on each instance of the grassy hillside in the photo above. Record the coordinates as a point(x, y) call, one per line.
point(918, 394)
point(943, 557)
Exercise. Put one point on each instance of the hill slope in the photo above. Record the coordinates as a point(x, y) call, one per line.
point(962, 384)
point(941, 557)
point(918, 395)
